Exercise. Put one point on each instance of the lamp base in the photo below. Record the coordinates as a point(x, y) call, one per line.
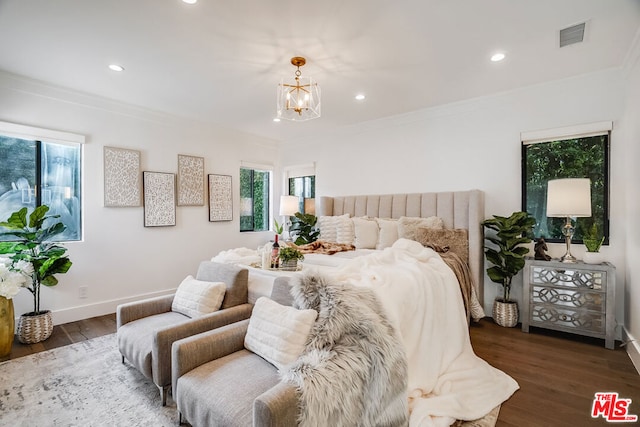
point(568, 230)
point(568, 258)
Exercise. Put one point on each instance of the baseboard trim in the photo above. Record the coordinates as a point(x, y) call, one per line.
point(633, 349)
point(73, 314)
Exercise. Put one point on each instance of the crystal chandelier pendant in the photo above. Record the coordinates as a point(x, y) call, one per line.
point(298, 100)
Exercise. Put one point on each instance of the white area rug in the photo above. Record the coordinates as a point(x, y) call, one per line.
point(83, 384)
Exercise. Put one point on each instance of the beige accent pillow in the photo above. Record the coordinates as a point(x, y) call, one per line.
point(387, 232)
point(195, 298)
point(456, 240)
point(366, 233)
point(407, 226)
point(278, 333)
point(328, 226)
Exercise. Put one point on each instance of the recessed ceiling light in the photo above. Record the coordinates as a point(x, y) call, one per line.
point(116, 67)
point(360, 97)
point(190, 1)
point(497, 57)
point(276, 120)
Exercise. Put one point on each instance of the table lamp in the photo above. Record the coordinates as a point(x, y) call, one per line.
point(566, 198)
point(288, 208)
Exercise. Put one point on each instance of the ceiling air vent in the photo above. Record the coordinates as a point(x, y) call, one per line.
point(571, 35)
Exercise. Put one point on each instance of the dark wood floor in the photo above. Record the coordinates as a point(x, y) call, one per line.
point(66, 334)
point(558, 373)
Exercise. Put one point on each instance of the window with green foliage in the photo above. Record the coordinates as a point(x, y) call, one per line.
point(254, 199)
point(581, 157)
point(305, 188)
point(35, 173)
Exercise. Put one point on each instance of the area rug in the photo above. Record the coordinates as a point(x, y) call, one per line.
point(83, 384)
point(86, 384)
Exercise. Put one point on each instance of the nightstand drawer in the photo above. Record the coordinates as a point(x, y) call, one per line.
point(568, 298)
point(565, 319)
point(568, 277)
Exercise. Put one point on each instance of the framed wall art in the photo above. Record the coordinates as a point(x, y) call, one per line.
point(121, 177)
point(159, 199)
point(190, 180)
point(220, 198)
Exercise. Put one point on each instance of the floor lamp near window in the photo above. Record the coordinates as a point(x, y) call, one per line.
point(567, 198)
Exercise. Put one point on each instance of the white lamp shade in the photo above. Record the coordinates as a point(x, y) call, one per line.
point(569, 197)
point(288, 205)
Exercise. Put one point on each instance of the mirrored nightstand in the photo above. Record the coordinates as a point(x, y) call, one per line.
point(578, 298)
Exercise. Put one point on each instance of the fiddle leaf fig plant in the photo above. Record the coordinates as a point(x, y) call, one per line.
point(32, 251)
point(304, 228)
point(506, 252)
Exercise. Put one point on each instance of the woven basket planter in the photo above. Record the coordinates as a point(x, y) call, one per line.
point(289, 265)
point(35, 328)
point(505, 313)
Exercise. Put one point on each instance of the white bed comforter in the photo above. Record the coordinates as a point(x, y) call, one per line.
point(447, 381)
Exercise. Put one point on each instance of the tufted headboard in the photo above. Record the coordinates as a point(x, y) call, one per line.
point(458, 209)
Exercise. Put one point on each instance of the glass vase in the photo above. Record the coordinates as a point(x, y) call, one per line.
point(7, 326)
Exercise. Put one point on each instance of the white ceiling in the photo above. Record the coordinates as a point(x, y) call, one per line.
point(220, 61)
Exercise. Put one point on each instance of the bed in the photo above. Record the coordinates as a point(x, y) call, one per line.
point(446, 381)
point(457, 209)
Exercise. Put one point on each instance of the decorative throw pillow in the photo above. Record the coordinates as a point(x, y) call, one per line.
point(407, 226)
point(278, 333)
point(328, 226)
point(344, 230)
point(456, 240)
point(195, 298)
point(387, 232)
point(366, 233)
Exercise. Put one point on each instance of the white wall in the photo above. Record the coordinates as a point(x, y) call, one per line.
point(119, 258)
point(632, 211)
point(471, 144)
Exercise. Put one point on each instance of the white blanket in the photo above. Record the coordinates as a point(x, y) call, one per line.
point(447, 381)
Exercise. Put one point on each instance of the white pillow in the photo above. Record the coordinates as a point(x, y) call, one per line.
point(387, 232)
point(195, 298)
point(345, 232)
point(278, 333)
point(408, 226)
point(366, 233)
point(328, 226)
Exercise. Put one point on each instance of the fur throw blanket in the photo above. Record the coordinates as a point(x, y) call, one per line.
point(353, 371)
point(324, 247)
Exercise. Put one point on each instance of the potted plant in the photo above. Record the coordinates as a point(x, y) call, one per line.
point(593, 239)
point(34, 254)
point(507, 256)
point(289, 257)
point(304, 228)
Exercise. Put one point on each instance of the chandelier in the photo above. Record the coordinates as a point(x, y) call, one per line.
point(299, 100)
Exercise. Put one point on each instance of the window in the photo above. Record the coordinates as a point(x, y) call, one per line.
point(579, 156)
point(305, 188)
point(41, 171)
point(255, 188)
point(301, 182)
